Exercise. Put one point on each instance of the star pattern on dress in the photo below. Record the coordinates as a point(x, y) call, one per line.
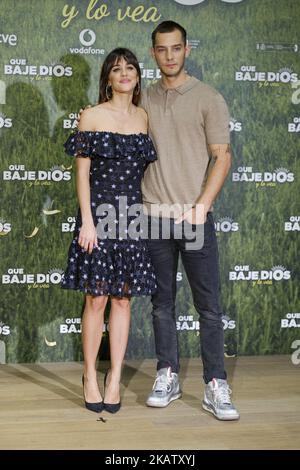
point(119, 266)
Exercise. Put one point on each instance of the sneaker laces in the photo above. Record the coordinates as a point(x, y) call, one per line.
point(222, 393)
point(163, 383)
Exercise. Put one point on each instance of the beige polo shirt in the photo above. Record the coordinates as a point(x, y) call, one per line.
point(182, 122)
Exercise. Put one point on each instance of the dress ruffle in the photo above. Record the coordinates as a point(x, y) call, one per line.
point(115, 268)
point(110, 145)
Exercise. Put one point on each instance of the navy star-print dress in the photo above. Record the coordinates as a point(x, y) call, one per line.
point(119, 266)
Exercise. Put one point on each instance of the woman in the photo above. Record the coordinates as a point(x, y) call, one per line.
point(112, 149)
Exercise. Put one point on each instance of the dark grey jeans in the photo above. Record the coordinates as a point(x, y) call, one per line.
point(202, 270)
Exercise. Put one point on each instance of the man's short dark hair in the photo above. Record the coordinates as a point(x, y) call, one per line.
point(168, 27)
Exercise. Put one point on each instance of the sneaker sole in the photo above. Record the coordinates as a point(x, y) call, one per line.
point(158, 405)
point(220, 418)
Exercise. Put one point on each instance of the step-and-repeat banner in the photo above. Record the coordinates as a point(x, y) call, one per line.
point(51, 53)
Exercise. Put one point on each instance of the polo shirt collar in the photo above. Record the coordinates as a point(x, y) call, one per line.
point(186, 86)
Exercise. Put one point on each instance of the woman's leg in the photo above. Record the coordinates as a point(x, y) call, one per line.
point(119, 322)
point(92, 329)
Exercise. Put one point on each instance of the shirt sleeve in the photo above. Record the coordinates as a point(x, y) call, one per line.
point(217, 121)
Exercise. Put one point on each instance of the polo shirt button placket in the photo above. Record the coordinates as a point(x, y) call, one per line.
point(167, 110)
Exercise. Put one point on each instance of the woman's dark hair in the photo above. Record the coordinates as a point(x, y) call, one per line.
point(112, 59)
point(168, 27)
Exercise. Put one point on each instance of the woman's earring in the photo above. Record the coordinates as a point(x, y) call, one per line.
point(108, 92)
point(137, 88)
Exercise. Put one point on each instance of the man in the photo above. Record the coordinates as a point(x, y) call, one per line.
point(189, 123)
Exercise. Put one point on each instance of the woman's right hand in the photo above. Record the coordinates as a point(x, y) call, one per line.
point(87, 238)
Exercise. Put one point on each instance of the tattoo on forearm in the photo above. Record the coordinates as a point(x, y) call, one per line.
point(216, 151)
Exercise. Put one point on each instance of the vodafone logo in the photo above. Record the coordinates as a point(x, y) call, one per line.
point(87, 37)
point(196, 2)
point(189, 2)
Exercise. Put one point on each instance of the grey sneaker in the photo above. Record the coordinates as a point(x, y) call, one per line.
point(166, 388)
point(217, 400)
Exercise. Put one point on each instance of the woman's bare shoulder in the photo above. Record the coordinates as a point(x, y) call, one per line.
point(89, 118)
point(142, 112)
point(143, 115)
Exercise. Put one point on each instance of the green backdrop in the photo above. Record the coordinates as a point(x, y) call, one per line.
point(49, 68)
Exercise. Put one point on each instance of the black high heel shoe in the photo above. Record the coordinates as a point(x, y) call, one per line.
point(96, 407)
point(110, 407)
